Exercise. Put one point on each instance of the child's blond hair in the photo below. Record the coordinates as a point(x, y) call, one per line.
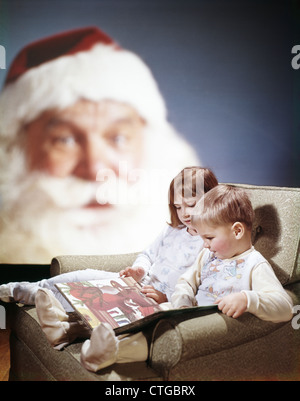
point(224, 204)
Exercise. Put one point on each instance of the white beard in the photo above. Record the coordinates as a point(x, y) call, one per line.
point(42, 217)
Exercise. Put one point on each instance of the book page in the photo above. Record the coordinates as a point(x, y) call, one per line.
point(118, 302)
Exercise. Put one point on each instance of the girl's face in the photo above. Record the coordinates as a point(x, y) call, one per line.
point(184, 208)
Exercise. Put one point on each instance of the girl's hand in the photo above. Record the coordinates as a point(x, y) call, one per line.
point(151, 292)
point(137, 273)
point(233, 305)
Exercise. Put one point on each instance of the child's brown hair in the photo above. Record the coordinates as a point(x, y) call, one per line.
point(224, 204)
point(190, 182)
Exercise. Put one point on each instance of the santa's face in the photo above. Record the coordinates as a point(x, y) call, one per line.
point(86, 143)
point(84, 139)
point(88, 179)
point(77, 193)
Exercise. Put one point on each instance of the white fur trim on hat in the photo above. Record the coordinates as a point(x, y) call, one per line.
point(103, 72)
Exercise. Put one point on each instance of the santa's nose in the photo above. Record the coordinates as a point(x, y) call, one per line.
point(95, 158)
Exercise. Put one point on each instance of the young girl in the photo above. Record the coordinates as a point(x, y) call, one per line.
point(176, 248)
point(228, 272)
point(158, 267)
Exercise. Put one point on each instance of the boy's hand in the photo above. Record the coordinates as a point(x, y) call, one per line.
point(233, 305)
point(137, 273)
point(151, 292)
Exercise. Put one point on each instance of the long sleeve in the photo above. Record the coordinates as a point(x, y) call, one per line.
point(146, 258)
point(187, 285)
point(268, 300)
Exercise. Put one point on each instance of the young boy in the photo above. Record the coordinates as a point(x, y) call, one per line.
point(228, 272)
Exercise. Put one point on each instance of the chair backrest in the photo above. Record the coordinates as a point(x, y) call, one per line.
point(276, 229)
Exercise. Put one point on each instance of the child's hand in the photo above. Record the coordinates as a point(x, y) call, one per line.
point(233, 305)
point(151, 292)
point(137, 273)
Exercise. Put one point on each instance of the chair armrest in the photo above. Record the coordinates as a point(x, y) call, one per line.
point(184, 338)
point(67, 263)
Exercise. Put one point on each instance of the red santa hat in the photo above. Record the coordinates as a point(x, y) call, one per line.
point(57, 71)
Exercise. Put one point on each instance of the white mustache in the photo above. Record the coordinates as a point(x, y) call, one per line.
point(135, 188)
point(72, 192)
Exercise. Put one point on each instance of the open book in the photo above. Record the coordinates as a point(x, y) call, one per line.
point(117, 301)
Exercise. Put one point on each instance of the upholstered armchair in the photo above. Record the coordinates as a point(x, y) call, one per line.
point(211, 346)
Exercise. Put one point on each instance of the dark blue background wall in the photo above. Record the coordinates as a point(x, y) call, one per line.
point(224, 68)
